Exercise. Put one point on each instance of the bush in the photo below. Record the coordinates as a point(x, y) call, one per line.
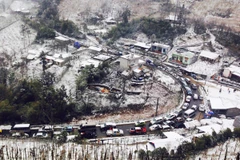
point(163, 30)
point(227, 134)
point(45, 33)
point(236, 132)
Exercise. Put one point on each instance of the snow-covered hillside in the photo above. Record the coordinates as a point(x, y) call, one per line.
point(219, 12)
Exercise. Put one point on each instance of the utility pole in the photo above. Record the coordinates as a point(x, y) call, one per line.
point(157, 106)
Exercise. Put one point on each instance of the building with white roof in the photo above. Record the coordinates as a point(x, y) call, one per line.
point(95, 49)
point(232, 71)
point(61, 39)
point(160, 48)
point(129, 60)
point(142, 45)
point(222, 98)
point(102, 57)
point(209, 56)
point(185, 58)
point(171, 140)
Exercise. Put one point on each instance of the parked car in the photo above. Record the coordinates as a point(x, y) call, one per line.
point(156, 120)
point(194, 86)
point(188, 119)
point(115, 132)
point(166, 127)
point(168, 122)
point(155, 127)
point(185, 106)
point(170, 117)
point(188, 80)
point(140, 123)
point(179, 119)
point(177, 112)
point(40, 135)
point(138, 130)
point(88, 134)
point(194, 107)
point(200, 97)
point(107, 126)
point(201, 108)
point(188, 98)
point(195, 96)
point(188, 90)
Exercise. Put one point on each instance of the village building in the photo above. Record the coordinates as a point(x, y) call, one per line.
point(209, 56)
point(32, 54)
point(232, 72)
point(160, 48)
point(102, 57)
point(62, 42)
point(184, 58)
point(171, 18)
point(142, 45)
point(129, 60)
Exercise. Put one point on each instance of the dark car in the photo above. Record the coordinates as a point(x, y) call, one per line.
point(107, 126)
point(87, 128)
point(194, 86)
point(88, 134)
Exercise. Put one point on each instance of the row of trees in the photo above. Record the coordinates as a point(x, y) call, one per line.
point(163, 30)
point(35, 103)
point(90, 74)
point(188, 149)
point(48, 20)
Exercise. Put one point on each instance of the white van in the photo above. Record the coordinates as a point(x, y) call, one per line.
point(189, 113)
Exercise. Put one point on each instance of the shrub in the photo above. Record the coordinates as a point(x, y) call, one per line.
point(236, 132)
point(45, 32)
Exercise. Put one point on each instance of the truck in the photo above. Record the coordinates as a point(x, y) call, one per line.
point(115, 132)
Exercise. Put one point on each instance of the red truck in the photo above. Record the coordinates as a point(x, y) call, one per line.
point(138, 130)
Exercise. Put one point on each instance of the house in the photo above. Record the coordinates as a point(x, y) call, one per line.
point(129, 60)
point(32, 54)
point(102, 57)
point(94, 50)
point(209, 56)
point(160, 48)
point(232, 72)
point(171, 18)
point(142, 45)
point(62, 40)
point(185, 58)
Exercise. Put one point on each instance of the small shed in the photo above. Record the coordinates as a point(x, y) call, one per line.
point(62, 40)
point(209, 56)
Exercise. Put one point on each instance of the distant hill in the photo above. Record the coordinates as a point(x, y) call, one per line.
point(226, 12)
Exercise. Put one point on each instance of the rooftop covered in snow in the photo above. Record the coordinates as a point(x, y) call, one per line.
point(130, 56)
point(209, 55)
